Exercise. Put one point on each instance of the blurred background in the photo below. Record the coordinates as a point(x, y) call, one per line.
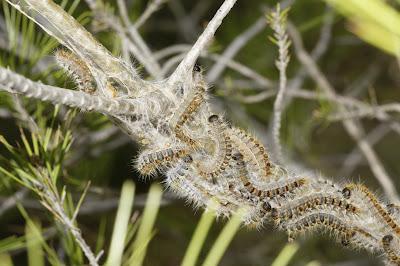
point(353, 49)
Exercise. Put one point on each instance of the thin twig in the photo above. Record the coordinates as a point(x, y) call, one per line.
point(152, 7)
point(355, 157)
point(238, 43)
point(234, 65)
point(52, 201)
point(185, 67)
point(366, 112)
point(354, 131)
point(15, 83)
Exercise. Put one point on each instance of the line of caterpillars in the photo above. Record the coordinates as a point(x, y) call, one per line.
point(249, 155)
point(299, 218)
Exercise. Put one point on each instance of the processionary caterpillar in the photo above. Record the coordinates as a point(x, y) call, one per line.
point(309, 203)
point(322, 220)
point(386, 217)
point(77, 69)
point(149, 162)
point(223, 152)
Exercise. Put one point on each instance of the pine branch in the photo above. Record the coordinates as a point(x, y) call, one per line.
point(14, 83)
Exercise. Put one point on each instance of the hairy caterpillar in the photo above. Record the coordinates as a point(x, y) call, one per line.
point(250, 147)
point(320, 220)
point(375, 204)
point(77, 69)
point(222, 153)
point(287, 186)
point(279, 190)
point(192, 107)
point(149, 162)
point(188, 108)
point(312, 202)
point(256, 158)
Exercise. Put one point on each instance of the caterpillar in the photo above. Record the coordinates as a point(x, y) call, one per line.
point(388, 250)
point(223, 152)
point(196, 101)
point(312, 202)
point(381, 211)
point(288, 186)
point(77, 69)
point(250, 147)
point(241, 167)
point(188, 108)
point(322, 220)
point(149, 162)
point(280, 190)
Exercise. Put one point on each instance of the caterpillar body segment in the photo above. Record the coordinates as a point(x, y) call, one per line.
point(77, 69)
point(394, 211)
point(362, 239)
